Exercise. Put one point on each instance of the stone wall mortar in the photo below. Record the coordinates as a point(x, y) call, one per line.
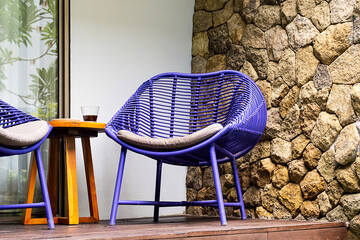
point(305, 57)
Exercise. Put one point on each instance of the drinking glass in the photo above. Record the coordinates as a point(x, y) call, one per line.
point(90, 113)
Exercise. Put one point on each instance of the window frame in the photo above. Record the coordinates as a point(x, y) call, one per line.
point(64, 58)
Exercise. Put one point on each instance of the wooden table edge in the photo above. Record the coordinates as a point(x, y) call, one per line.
point(58, 123)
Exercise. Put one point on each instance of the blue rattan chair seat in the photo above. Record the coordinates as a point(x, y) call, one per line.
point(23, 134)
point(169, 143)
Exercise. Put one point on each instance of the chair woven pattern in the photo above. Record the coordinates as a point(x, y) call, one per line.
point(175, 104)
point(10, 116)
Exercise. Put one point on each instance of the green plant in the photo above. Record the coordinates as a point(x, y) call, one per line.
point(19, 19)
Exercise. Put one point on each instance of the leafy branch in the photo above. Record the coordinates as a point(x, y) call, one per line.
point(18, 19)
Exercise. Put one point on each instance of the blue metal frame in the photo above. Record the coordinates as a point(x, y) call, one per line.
point(176, 104)
point(10, 116)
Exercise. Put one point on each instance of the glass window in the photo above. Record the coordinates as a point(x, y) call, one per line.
point(29, 77)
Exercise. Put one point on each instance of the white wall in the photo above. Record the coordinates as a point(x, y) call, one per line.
point(115, 46)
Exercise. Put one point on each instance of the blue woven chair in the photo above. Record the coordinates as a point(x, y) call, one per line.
point(190, 120)
point(21, 133)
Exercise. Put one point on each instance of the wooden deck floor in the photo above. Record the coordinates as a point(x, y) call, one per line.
point(181, 227)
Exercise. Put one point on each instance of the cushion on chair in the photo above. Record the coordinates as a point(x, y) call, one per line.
point(23, 134)
point(169, 143)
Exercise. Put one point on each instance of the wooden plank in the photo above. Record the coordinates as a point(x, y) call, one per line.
point(88, 220)
point(36, 221)
point(90, 178)
point(178, 228)
point(248, 236)
point(313, 234)
point(63, 220)
point(71, 203)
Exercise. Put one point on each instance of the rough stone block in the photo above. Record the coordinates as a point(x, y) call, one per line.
point(301, 32)
point(216, 63)
point(334, 192)
point(346, 68)
point(350, 204)
point(213, 5)
point(326, 130)
point(341, 10)
point(324, 203)
point(322, 77)
point(202, 21)
point(280, 151)
point(219, 41)
point(221, 16)
point(267, 16)
point(262, 171)
point(311, 156)
point(288, 11)
point(269, 196)
point(308, 116)
point(306, 7)
point(276, 42)
point(312, 185)
point(340, 93)
point(280, 176)
point(194, 178)
point(327, 165)
point(236, 26)
point(235, 57)
point(310, 209)
point(298, 145)
point(306, 65)
point(259, 60)
point(321, 16)
point(348, 179)
point(280, 212)
point(289, 101)
point(355, 98)
point(297, 170)
point(200, 45)
point(337, 215)
point(332, 42)
point(347, 145)
point(290, 196)
point(354, 225)
point(253, 37)
point(307, 93)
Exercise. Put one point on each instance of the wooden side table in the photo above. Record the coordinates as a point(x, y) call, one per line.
point(68, 130)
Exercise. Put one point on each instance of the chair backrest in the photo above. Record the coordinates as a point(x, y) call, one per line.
point(176, 104)
point(11, 116)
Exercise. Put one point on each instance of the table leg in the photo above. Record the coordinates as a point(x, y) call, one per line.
point(53, 172)
point(71, 181)
point(30, 189)
point(90, 180)
point(26, 218)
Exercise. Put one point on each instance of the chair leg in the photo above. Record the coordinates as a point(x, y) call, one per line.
point(238, 188)
point(44, 189)
point(218, 186)
point(157, 190)
point(118, 186)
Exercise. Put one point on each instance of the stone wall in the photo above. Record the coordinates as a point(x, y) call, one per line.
point(305, 57)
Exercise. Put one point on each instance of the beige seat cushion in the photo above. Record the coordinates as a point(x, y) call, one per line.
point(23, 134)
point(169, 143)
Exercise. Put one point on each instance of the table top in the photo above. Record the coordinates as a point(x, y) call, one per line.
point(75, 123)
point(63, 127)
